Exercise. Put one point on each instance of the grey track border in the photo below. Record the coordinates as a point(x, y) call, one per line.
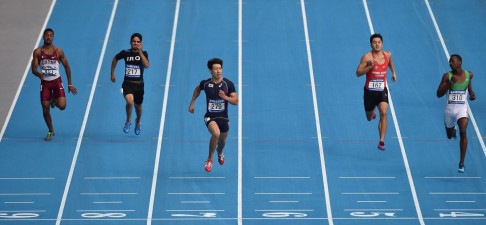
point(21, 22)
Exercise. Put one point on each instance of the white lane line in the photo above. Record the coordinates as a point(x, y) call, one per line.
point(457, 193)
point(283, 210)
point(452, 177)
point(24, 194)
point(282, 193)
point(316, 117)
point(119, 202)
point(400, 140)
point(27, 178)
point(371, 201)
point(240, 112)
point(195, 202)
point(370, 193)
point(108, 193)
point(282, 201)
point(18, 202)
point(27, 71)
point(444, 47)
point(190, 178)
point(356, 210)
point(162, 119)
point(20, 211)
point(367, 177)
point(194, 210)
point(196, 193)
point(455, 210)
point(281, 177)
point(461, 201)
point(105, 210)
point(111, 178)
point(86, 115)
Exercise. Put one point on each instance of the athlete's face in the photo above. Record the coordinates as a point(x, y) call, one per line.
point(376, 44)
point(136, 43)
point(48, 37)
point(216, 71)
point(455, 63)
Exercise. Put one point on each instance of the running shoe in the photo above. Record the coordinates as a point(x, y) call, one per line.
point(208, 166)
point(49, 135)
point(461, 168)
point(381, 145)
point(53, 102)
point(126, 128)
point(374, 114)
point(138, 128)
point(221, 159)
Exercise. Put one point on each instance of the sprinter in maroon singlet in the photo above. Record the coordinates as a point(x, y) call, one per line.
point(375, 65)
point(52, 92)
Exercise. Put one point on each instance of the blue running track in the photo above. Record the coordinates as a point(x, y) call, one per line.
point(299, 150)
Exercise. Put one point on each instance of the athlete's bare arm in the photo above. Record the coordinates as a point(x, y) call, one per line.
point(67, 68)
point(444, 85)
point(365, 64)
point(196, 93)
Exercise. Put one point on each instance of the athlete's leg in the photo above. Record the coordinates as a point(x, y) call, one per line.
point(383, 124)
point(138, 111)
point(222, 142)
point(129, 106)
point(61, 103)
point(47, 114)
point(451, 132)
point(462, 122)
point(213, 128)
point(370, 115)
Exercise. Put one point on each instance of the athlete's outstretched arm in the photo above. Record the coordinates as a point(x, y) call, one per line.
point(392, 67)
point(365, 65)
point(472, 95)
point(232, 98)
point(196, 93)
point(444, 85)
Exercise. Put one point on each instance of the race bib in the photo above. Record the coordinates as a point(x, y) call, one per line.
point(49, 71)
point(376, 85)
point(457, 97)
point(216, 105)
point(132, 70)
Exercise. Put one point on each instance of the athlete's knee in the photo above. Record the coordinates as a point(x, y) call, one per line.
point(462, 134)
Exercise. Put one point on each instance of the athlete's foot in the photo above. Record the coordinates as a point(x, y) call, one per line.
point(138, 128)
point(49, 136)
point(381, 145)
point(126, 128)
point(208, 166)
point(221, 159)
point(461, 168)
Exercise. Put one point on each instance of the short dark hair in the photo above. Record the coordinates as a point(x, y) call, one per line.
point(213, 61)
point(458, 56)
point(376, 35)
point(136, 35)
point(48, 30)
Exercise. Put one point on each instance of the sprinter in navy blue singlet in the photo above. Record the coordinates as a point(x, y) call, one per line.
point(136, 61)
point(219, 91)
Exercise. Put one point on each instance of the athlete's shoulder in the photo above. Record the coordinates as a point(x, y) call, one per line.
point(205, 81)
point(227, 80)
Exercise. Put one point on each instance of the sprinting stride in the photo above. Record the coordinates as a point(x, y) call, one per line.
point(375, 65)
point(219, 91)
point(455, 84)
point(52, 94)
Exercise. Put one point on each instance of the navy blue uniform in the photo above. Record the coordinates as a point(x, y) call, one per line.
point(133, 80)
point(216, 107)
